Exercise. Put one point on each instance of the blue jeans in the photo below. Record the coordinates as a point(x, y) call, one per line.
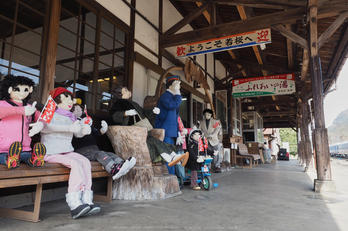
point(24, 157)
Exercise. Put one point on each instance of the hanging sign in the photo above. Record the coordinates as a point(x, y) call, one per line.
point(224, 43)
point(264, 86)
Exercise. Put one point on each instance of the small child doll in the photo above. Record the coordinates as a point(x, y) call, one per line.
point(196, 148)
point(57, 136)
point(87, 147)
point(15, 116)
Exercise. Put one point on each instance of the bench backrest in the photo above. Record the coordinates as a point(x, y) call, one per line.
point(243, 149)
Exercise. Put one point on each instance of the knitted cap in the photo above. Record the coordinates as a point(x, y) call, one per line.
point(172, 78)
point(57, 91)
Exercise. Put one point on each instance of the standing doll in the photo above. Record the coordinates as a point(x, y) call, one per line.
point(169, 104)
point(211, 128)
point(57, 136)
point(197, 150)
point(87, 146)
point(15, 116)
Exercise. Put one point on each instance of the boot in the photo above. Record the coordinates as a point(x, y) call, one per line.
point(87, 198)
point(174, 158)
point(13, 156)
point(74, 201)
point(37, 155)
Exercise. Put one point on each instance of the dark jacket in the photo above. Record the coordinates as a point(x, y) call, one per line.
point(87, 140)
point(121, 106)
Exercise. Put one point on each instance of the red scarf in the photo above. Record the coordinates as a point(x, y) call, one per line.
point(200, 144)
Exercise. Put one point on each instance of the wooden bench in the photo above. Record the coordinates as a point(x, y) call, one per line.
point(49, 173)
point(243, 153)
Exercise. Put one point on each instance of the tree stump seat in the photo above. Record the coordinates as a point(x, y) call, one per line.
point(145, 180)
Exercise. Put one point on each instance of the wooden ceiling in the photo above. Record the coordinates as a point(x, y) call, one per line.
point(288, 52)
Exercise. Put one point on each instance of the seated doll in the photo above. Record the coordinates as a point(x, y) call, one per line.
point(57, 136)
point(15, 117)
point(197, 150)
point(87, 147)
point(124, 111)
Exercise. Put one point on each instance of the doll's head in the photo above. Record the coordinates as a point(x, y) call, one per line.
point(63, 97)
point(77, 110)
point(195, 135)
point(208, 113)
point(121, 92)
point(170, 80)
point(17, 88)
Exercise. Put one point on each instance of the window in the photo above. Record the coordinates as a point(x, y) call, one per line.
point(252, 127)
point(221, 109)
point(237, 117)
point(197, 110)
point(90, 56)
point(21, 34)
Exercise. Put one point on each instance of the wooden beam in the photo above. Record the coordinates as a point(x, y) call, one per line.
point(321, 145)
point(289, 49)
point(230, 52)
point(268, 103)
point(340, 53)
point(305, 65)
point(291, 35)
point(243, 26)
point(332, 28)
point(280, 4)
point(275, 69)
point(230, 75)
point(243, 15)
point(51, 53)
point(190, 17)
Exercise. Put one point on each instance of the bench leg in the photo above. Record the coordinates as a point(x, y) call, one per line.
point(25, 215)
point(105, 198)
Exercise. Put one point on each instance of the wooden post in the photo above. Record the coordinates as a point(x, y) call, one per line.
point(51, 53)
point(320, 132)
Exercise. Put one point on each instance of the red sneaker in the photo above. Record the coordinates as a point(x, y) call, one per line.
point(37, 156)
point(13, 156)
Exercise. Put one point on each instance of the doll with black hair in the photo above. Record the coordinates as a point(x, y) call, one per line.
point(15, 116)
point(87, 146)
point(198, 149)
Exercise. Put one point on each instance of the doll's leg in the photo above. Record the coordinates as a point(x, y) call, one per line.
point(76, 183)
point(194, 178)
point(77, 179)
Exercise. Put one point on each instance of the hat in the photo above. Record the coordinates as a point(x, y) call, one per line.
point(193, 131)
point(208, 110)
point(172, 78)
point(57, 91)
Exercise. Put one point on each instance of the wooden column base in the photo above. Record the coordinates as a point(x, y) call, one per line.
point(141, 184)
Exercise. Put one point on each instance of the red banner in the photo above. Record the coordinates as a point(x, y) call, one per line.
point(48, 110)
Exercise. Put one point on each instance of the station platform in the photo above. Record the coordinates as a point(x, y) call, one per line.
point(268, 197)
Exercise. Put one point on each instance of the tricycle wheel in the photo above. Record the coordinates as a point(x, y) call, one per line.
point(207, 183)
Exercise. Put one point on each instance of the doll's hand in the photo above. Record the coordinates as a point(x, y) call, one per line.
point(75, 127)
point(86, 129)
point(104, 126)
point(87, 120)
point(156, 110)
point(131, 112)
point(200, 159)
point(180, 139)
point(176, 85)
point(216, 152)
point(184, 132)
point(35, 128)
point(30, 109)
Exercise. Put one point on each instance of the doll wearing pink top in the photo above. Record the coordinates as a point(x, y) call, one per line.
point(15, 116)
